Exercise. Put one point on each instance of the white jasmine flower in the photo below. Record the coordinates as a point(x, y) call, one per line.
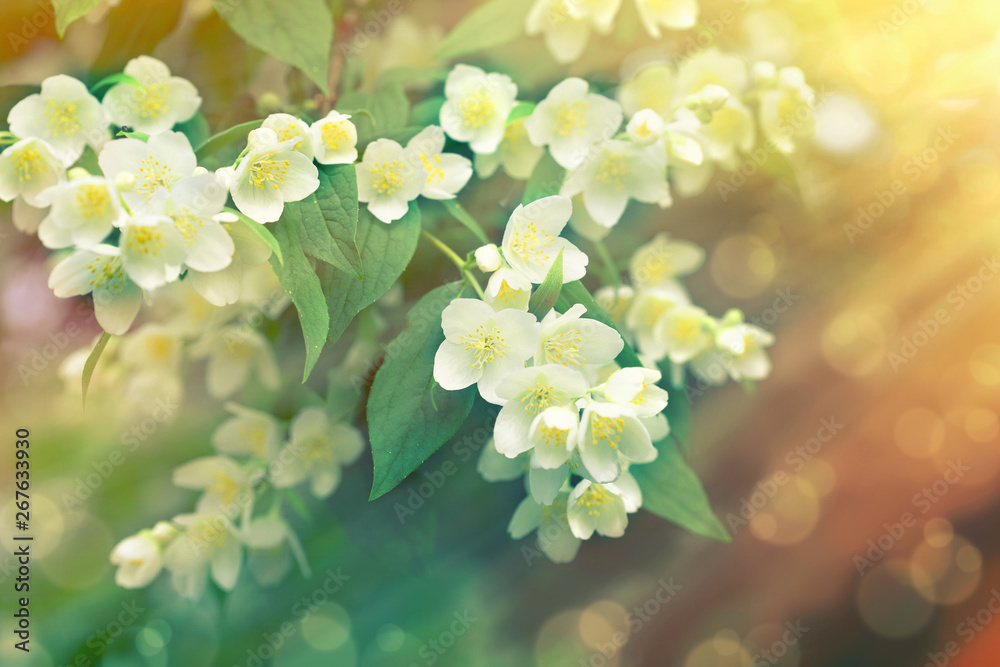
point(662, 260)
point(682, 140)
point(139, 560)
point(708, 67)
point(488, 258)
point(571, 119)
point(610, 435)
point(153, 347)
point(226, 485)
point(744, 345)
point(317, 449)
point(152, 250)
point(615, 301)
point(516, 154)
point(597, 507)
point(234, 352)
point(82, 213)
point(248, 432)
point(565, 32)
point(615, 172)
point(531, 240)
point(683, 334)
point(65, 115)
point(651, 87)
point(645, 127)
point(648, 306)
point(730, 132)
point(287, 127)
point(508, 289)
point(28, 168)
point(225, 286)
point(445, 173)
point(99, 271)
point(192, 205)
point(525, 394)
point(156, 166)
point(573, 340)
point(158, 104)
point(671, 14)
point(786, 109)
point(637, 389)
point(544, 484)
point(334, 139)
point(482, 346)
point(555, 538)
point(552, 437)
point(270, 174)
point(388, 179)
point(208, 543)
point(495, 467)
point(476, 107)
point(26, 218)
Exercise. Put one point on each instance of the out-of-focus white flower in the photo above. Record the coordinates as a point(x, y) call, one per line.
point(388, 179)
point(248, 432)
point(65, 115)
point(156, 166)
point(139, 560)
point(671, 14)
point(555, 538)
point(477, 106)
point(508, 289)
point(152, 250)
point(225, 286)
point(28, 168)
point(574, 341)
point(160, 101)
point(644, 313)
point(711, 67)
point(662, 260)
point(495, 467)
point(287, 127)
point(99, 270)
point(682, 333)
point(516, 154)
point(610, 435)
point(445, 173)
point(153, 346)
point(82, 213)
point(565, 33)
point(616, 171)
point(482, 346)
point(570, 120)
point(786, 109)
point(528, 392)
point(317, 450)
point(651, 87)
point(209, 543)
point(271, 544)
point(731, 131)
point(226, 485)
point(234, 352)
point(334, 139)
point(531, 240)
point(270, 174)
point(744, 346)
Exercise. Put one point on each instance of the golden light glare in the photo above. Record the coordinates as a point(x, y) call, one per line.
point(946, 574)
point(919, 432)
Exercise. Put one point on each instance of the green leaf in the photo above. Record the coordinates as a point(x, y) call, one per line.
point(260, 230)
point(137, 27)
point(546, 180)
point(491, 24)
point(405, 74)
point(545, 296)
point(328, 219)
point(427, 112)
point(68, 11)
point(672, 490)
point(235, 133)
point(521, 110)
point(299, 279)
point(406, 424)
point(388, 105)
point(463, 216)
point(299, 33)
point(141, 136)
point(386, 251)
point(575, 292)
point(196, 129)
point(91, 363)
point(678, 413)
point(113, 79)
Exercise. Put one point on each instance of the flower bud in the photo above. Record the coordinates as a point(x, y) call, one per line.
point(488, 258)
point(163, 532)
point(76, 173)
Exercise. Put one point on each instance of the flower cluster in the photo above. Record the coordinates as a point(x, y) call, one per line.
point(252, 466)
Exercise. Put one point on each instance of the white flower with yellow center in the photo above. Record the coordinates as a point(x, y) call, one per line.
point(516, 154)
point(555, 539)
point(786, 109)
point(226, 485)
point(83, 212)
point(662, 260)
point(287, 127)
point(508, 289)
point(636, 388)
point(615, 301)
point(644, 313)
point(270, 174)
point(389, 178)
point(711, 67)
point(482, 346)
point(248, 432)
point(743, 346)
point(234, 352)
point(193, 204)
point(65, 115)
point(730, 132)
point(225, 286)
point(99, 271)
point(477, 106)
point(156, 166)
point(334, 139)
point(645, 127)
point(603, 508)
point(570, 120)
point(615, 172)
point(671, 14)
point(531, 240)
point(157, 104)
point(316, 451)
point(575, 341)
point(682, 140)
point(610, 435)
point(28, 168)
point(527, 393)
point(553, 436)
point(445, 173)
point(209, 542)
point(154, 347)
point(139, 559)
point(565, 32)
point(152, 250)
point(683, 334)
